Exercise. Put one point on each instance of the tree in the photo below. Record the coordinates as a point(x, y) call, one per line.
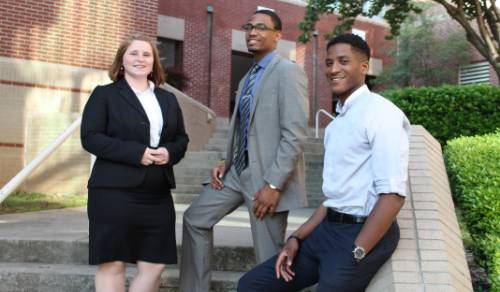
point(479, 18)
point(425, 55)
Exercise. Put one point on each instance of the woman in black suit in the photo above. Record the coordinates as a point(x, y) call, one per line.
point(136, 131)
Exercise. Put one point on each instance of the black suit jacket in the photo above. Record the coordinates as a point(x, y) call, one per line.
point(115, 128)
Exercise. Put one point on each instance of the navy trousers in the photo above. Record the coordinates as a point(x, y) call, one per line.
point(325, 257)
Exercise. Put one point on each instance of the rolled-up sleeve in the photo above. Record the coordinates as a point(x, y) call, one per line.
point(389, 140)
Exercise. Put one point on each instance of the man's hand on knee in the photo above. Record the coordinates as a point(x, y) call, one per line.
point(284, 262)
point(217, 174)
point(265, 201)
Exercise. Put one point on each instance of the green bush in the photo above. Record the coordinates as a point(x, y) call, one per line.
point(473, 164)
point(450, 111)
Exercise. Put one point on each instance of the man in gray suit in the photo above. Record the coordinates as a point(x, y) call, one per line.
point(264, 168)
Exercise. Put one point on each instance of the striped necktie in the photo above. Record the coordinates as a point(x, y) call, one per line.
point(240, 161)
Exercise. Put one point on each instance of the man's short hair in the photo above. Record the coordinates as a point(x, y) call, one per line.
point(355, 41)
point(274, 17)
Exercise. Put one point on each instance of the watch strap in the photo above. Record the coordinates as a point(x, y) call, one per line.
point(295, 237)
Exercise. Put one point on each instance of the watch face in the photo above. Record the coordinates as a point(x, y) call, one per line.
point(359, 253)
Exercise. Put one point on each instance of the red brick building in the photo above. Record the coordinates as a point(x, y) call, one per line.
point(54, 52)
point(191, 27)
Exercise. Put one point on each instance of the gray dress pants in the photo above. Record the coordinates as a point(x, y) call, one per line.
point(208, 209)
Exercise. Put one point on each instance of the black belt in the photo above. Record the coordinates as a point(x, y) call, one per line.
point(335, 216)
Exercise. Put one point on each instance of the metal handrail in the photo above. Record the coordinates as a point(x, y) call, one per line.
point(28, 169)
point(316, 127)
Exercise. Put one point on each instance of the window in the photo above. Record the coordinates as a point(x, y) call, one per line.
point(170, 52)
point(171, 59)
point(474, 73)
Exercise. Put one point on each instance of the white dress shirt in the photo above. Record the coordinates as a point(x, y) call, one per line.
point(152, 108)
point(366, 153)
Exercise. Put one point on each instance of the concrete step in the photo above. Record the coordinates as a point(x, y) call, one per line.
point(189, 189)
point(197, 155)
point(186, 168)
point(221, 123)
point(218, 141)
point(314, 191)
point(184, 184)
point(314, 157)
point(311, 151)
point(190, 179)
point(314, 166)
point(316, 200)
point(313, 187)
point(313, 172)
point(60, 252)
point(311, 139)
point(60, 236)
point(22, 277)
point(220, 148)
point(223, 134)
point(314, 184)
point(184, 198)
point(311, 132)
point(192, 171)
point(313, 148)
point(221, 140)
point(220, 134)
point(201, 161)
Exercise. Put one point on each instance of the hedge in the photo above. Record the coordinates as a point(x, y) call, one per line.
point(473, 164)
point(450, 111)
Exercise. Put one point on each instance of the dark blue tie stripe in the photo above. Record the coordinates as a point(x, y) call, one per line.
point(245, 105)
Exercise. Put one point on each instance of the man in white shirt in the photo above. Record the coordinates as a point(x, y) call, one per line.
point(353, 233)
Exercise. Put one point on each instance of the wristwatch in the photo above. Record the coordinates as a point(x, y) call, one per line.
point(359, 253)
point(273, 187)
point(294, 237)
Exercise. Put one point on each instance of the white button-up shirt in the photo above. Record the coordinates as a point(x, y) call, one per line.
point(152, 108)
point(366, 153)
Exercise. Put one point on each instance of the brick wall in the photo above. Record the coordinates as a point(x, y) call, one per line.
point(35, 106)
point(47, 48)
point(75, 32)
point(229, 15)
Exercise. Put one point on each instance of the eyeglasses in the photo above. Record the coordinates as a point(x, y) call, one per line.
point(260, 27)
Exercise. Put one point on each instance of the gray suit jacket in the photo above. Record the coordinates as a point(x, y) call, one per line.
point(277, 132)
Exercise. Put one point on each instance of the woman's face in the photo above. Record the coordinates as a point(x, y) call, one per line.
point(138, 59)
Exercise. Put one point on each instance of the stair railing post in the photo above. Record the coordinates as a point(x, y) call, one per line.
point(316, 121)
point(21, 176)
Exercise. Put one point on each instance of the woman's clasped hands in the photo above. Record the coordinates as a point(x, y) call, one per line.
point(159, 156)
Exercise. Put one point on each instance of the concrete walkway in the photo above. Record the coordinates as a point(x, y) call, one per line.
point(47, 251)
point(72, 225)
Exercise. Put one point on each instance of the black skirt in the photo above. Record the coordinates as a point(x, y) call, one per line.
point(133, 224)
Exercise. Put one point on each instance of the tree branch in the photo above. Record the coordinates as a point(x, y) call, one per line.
point(486, 35)
point(493, 23)
point(472, 35)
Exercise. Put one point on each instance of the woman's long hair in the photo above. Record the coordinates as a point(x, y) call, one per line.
point(116, 71)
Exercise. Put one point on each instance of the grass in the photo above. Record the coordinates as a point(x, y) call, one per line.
point(30, 202)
